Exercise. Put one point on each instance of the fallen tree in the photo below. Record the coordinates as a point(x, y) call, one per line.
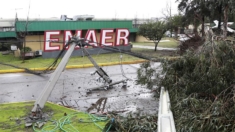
point(201, 85)
point(191, 44)
point(132, 123)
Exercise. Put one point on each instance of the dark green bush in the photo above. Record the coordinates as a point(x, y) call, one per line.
point(26, 49)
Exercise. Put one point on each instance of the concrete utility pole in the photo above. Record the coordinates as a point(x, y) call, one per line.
point(44, 95)
point(40, 102)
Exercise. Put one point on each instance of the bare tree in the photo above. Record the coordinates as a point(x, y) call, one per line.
point(22, 34)
point(167, 16)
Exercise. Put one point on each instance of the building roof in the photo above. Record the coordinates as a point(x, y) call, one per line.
point(8, 34)
point(34, 25)
point(72, 25)
point(7, 24)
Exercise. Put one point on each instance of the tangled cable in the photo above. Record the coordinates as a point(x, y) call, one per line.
point(65, 123)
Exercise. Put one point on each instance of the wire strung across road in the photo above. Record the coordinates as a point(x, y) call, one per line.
point(48, 69)
point(105, 47)
point(32, 41)
point(55, 62)
point(18, 67)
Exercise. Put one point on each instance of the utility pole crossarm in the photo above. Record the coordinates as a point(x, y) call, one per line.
point(100, 71)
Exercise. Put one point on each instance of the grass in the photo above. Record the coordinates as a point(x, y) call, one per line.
point(168, 44)
point(155, 54)
point(39, 62)
point(13, 111)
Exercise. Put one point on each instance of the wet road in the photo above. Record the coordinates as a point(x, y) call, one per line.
point(71, 87)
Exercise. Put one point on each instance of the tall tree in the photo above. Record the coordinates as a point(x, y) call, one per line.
point(228, 6)
point(216, 13)
point(195, 10)
point(187, 8)
point(176, 22)
point(202, 8)
point(153, 31)
point(166, 12)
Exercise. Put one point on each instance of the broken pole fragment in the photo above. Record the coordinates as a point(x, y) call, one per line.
point(106, 87)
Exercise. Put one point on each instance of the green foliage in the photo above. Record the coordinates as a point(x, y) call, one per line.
point(197, 11)
point(226, 3)
point(145, 74)
point(210, 71)
point(4, 46)
point(40, 62)
point(172, 43)
point(176, 21)
point(134, 123)
point(26, 49)
point(153, 31)
point(201, 87)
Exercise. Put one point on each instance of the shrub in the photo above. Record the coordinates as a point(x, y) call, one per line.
point(27, 49)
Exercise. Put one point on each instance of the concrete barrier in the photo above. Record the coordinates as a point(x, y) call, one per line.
point(165, 117)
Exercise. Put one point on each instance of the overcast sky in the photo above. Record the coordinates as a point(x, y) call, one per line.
point(98, 8)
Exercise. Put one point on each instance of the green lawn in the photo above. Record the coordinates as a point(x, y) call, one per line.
point(39, 62)
point(12, 119)
point(155, 54)
point(169, 44)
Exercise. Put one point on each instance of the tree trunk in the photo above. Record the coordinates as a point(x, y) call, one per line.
point(156, 43)
point(203, 26)
point(225, 21)
point(23, 49)
point(195, 27)
point(220, 15)
point(176, 32)
point(171, 30)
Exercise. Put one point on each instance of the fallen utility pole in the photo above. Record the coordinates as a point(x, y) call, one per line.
point(41, 100)
point(37, 113)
